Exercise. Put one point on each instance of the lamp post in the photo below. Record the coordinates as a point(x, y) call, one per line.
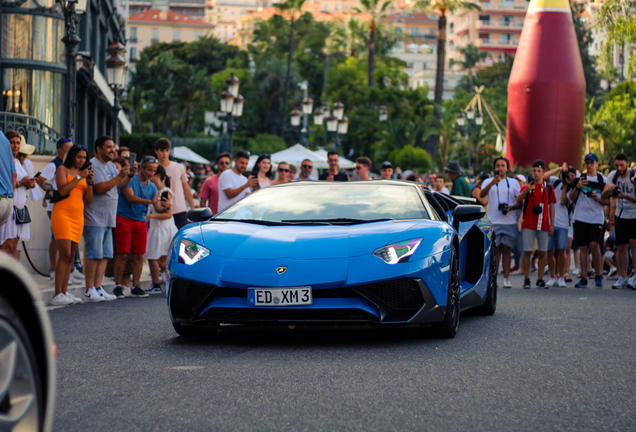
point(383, 114)
point(308, 106)
point(232, 104)
point(73, 10)
point(467, 120)
point(116, 75)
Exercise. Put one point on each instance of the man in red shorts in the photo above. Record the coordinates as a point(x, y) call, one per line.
point(132, 229)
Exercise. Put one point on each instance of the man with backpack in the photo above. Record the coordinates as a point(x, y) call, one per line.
point(589, 217)
point(537, 221)
point(620, 185)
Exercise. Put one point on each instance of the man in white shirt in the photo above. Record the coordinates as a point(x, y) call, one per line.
point(588, 217)
point(178, 182)
point(502, 193)
point(620, 184)
point(233, 185)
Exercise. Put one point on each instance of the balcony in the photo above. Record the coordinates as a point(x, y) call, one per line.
point(497, 43)
point(501, 25)
point(507, 6)
point(194, 3)
point(35, 131)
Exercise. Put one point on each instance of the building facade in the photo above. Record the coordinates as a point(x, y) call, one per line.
point(33, 68)
point(192, 8)
point(495, 29)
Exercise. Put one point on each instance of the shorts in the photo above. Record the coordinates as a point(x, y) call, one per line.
point(625, 230)
point(506, 234)
point(560, 239)
point(131, 236)
point(529, 235)
point(6, 209)
point(586, 233)
point(98, 242)
point(48, 213)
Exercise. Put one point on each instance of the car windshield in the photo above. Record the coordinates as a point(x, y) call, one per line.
point(329, 203)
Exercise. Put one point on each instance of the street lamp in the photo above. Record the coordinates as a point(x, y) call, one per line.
point(461, 119)
point(116, 75)
point(384, 113)
point(343, 126)
point(232, 84)
point(319, 116)
point(232, 105)
point(479, 119)
point(237, 109)
point(467, 119)
point(294, 117)
point(338, 110)
point(308, 106)
point(332, 123)
point(72, 10)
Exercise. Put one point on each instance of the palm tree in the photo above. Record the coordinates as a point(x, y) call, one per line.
point(371, 7)
point(472, 56)
point(615, 18)
point(444, 124)
point(293, 7)
point(441, 7)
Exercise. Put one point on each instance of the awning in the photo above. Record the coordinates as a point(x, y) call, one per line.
point(184, 153)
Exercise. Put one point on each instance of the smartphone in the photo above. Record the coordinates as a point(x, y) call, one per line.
point(165, 195)
point(87, 164)
point(258, 186)
point(497, 173)
point(38, 174)
point(133, 158)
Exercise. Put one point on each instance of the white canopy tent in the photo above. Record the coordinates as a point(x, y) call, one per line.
point(344, 163)
point(297, 153)
point(184, 153)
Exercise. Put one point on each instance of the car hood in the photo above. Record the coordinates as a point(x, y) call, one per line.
point(240, 240)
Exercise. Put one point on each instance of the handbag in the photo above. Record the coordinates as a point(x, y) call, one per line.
point(57, 197)
point(22, 215)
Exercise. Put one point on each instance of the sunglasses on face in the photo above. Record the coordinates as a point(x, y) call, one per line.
point(224, 163)
point(283, 170)
point(333, 160)
point(589, 162)
point(307, 166)
point(358, 167)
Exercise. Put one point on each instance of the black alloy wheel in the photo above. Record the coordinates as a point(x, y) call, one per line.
point(448, 327)
point(22, 400)
point(490, 306)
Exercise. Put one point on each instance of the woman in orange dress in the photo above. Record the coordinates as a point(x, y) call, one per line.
point(67, 219)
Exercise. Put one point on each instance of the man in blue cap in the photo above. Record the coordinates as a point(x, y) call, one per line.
point(588, 219)
point(8, 177)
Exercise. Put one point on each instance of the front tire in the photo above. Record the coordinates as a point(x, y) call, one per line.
point(22, 399)
point(448, 327)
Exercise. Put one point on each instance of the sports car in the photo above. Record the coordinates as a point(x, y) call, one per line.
point(381, 253)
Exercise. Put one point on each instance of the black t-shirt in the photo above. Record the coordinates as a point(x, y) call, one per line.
point(338, 177)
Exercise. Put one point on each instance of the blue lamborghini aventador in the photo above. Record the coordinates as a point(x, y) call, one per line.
point(378, 253)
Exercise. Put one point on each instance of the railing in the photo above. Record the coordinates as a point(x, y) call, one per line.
point(133, 39)
point(34, 131)
point(504, 42)
point(192, 2)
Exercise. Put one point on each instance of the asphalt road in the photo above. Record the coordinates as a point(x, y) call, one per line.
point(558, 359)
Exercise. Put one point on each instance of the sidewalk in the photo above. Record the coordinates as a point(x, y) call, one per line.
point(47, 286)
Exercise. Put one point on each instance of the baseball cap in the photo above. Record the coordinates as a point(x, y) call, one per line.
point(591, 156)
point(386, 164)
point(521, 177)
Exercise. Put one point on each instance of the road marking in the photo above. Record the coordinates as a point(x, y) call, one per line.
point(186, 367)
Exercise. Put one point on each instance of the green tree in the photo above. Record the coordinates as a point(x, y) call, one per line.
point(472, 56)
point(616, 19)
point(293, 7)
point(409, 157)
point(441, 7)
point(377, 12)
point(615, 120)
point(585, 40)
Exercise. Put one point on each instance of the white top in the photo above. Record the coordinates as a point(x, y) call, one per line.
point(49, 173)
point(20, 193)
point(625, 209)
point(35, 193)
point(160, 233)
point(445, 190)
point(307, 179)
point(561, 215)
point(230, 180)
point(505, 191)
point(586, 209)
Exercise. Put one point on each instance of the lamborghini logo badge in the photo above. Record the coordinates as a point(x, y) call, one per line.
point(281, 270)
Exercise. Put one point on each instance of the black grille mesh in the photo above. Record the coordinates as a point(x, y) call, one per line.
point(398, 294)
point(186, 296)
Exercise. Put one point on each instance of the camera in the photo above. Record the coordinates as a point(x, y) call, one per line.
point(503, 207)
point(498, 173)
point(616, 191)
point(537, 209)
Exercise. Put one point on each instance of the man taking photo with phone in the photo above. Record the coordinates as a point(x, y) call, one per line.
point(233, 185)
point(620, 185)
point(333, 174)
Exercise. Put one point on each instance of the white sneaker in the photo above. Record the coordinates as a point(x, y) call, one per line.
point(552, 282)
point(576, 272)
point(561, 283)
point(61, 300)
point(108, 297)
point(611, 272)
point(620, 283)
point(507, 283)
point(77, 276)
point(72, 281)
point(52, 275)
point(92, 296)
point(632, 283)
point(73, 298)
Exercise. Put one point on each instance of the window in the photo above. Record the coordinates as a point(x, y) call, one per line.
point(155, 35)
point(133, 35)
point(484, 35)
point(414, 31)
point(409, 65)
point(398, 30)
point(507, 38)
point(176, 35)
point(484, 17)
point(451, 46)
point(133, 54)
point(451, 28)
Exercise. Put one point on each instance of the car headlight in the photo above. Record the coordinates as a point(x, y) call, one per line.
point(190, 252)
point(398, 252)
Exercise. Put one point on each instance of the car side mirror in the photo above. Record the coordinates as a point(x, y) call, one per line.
point(200, 214)
point(467, 213)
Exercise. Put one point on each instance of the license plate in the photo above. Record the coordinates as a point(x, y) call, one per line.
point(279, 296)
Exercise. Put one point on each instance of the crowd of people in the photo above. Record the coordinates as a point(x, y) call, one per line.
point(127, 212)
